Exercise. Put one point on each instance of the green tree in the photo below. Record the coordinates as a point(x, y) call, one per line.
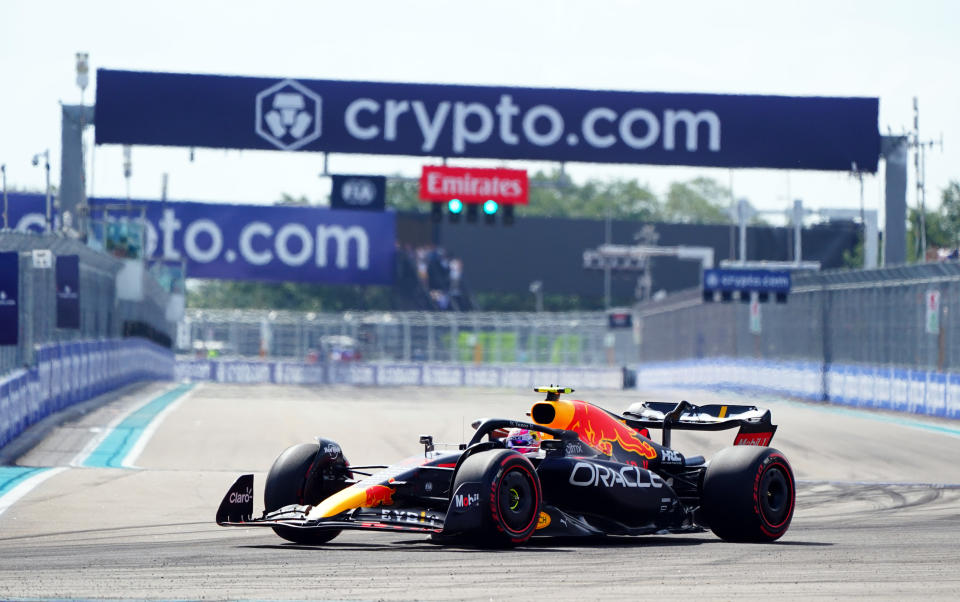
point(942, 224)
point(288, 295)
point(404, 195)
point(289, 199)
point(938, 228)
point(698, 201)
point(553, 195)
point(950, 208)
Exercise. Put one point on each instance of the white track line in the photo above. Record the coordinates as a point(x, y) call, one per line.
point(137, 449)
point(26, 487)
point(102, 434)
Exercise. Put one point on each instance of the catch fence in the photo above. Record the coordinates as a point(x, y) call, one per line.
point(884, 339)
point(905, 317)
point(102, 314)
point(477, 337)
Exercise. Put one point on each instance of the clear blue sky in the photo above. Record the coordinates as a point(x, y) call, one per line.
point(893, 50)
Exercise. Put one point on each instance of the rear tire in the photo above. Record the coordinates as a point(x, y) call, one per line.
point(510, 496)
point(293, 479)
point(748, 494)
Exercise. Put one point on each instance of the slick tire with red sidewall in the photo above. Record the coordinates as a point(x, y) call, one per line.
point(510, 496)
point(748, 494)
point(295, 478)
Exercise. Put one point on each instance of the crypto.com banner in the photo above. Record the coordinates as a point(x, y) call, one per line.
point(718, 130)
point(278, 243)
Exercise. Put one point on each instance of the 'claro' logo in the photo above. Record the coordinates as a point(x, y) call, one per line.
point(588, 474)
point(242, 498)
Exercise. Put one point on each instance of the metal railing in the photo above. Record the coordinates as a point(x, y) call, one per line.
point(536, 338)
point(875, 317)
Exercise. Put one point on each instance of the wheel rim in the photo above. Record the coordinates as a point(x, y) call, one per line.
point(516, 500)
point(775, 496)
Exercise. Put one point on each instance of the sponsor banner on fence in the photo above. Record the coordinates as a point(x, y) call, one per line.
point(9, 297)
point(875, 387)
point(277, 243)
point(388, 374)
point(761, 281)
point(542, 124)
point(68, 291)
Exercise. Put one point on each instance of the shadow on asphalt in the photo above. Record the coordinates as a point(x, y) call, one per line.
point(544, 544)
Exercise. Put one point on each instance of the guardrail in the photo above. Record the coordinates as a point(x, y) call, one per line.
point(877, 387)
point(396, 374)
point(68, 373)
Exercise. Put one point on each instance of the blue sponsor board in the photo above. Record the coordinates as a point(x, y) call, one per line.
point(27, 212)
point(276, 243)
point(761, 281)
point(718, 130)
point(9, 297)
point(68, 291)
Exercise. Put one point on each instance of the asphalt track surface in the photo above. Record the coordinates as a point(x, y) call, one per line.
point(878, 512)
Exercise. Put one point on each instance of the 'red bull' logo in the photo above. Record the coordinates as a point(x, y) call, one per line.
point(602, 431)
point(378, 495)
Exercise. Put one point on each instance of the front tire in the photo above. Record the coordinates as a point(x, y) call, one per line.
point(296, 478)
point(748, 494)
point(510, 496)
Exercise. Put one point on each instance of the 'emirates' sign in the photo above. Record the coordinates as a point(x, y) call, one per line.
point(474, 185)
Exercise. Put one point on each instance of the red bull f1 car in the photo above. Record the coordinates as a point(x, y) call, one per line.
point(591, 473)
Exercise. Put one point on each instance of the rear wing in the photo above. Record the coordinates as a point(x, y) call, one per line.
point(755, 424)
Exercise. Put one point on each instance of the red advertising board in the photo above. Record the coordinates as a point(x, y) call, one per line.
point(474, 185)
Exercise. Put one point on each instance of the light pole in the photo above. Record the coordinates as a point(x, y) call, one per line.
point(607, 227)
point(127, 169)
point(536, 287)
point(46, 164)
point(83, 78)
point(3, 170)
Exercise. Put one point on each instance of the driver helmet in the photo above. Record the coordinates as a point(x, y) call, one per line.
point(523, 440)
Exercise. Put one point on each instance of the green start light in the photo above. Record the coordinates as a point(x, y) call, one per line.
point(455, 206)
point(490, 207)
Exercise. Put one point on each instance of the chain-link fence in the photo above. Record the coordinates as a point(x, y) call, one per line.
point(101, 314)
point(906, 317)
point(536, 338)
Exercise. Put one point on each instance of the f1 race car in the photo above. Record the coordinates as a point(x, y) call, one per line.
point(589, 472)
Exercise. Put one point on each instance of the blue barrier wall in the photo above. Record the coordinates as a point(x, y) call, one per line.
point(68, 373)
point(397, 374)
point(876, 387)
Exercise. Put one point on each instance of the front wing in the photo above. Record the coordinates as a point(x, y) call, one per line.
point(236, 510)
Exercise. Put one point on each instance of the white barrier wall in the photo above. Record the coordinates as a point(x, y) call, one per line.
point(68, 373)
point(397, 374)
point(886, 388)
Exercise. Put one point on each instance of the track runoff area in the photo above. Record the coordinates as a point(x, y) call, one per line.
point(120, 503)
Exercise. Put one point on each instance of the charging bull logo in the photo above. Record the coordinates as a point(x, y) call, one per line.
point(600, 430)
point(378, 495)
